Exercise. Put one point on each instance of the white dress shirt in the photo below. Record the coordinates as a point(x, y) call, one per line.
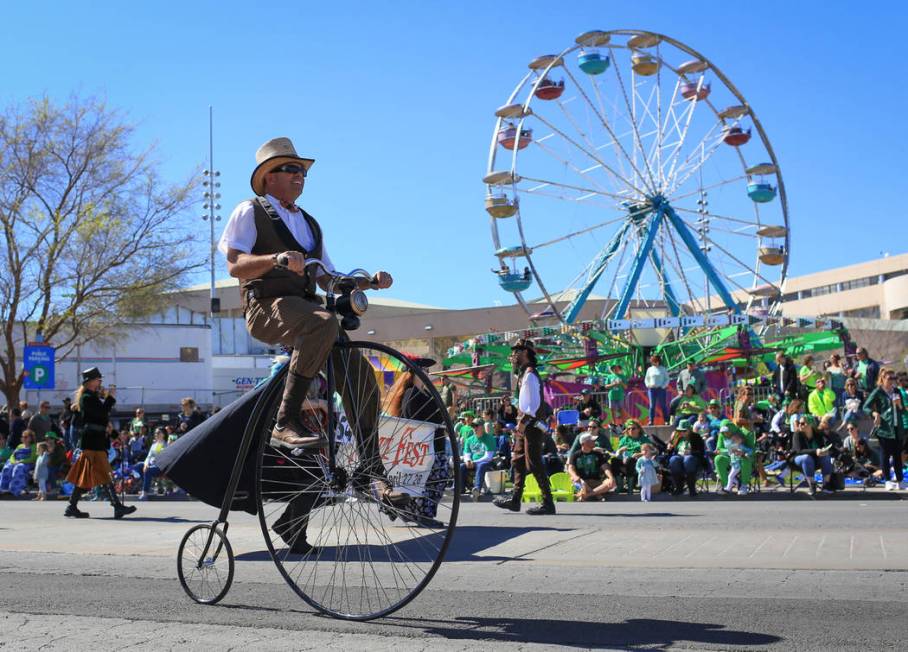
point(528, 400)
point(240, 233)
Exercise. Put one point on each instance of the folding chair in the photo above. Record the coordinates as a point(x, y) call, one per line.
point(562, 487)
point(531, 491)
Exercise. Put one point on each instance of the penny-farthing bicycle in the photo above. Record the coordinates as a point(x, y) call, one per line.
point(368, 556)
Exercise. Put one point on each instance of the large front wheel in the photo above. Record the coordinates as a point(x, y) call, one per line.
point(337, 540)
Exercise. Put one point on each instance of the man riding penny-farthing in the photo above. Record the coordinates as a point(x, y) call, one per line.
point(325, 446)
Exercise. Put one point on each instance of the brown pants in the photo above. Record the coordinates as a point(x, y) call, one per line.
point(526, 456)
point(312, 331)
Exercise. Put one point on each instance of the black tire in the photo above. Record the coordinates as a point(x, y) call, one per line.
point(372, 558)
point(208, 582)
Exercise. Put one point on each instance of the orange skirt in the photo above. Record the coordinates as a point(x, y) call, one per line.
point(91, 470)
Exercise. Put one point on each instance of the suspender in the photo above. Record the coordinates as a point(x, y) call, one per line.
point(284, 234)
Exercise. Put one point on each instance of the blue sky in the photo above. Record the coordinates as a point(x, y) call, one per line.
point(396, 100)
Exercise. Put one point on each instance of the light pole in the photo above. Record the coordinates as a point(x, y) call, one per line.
point(211, 196)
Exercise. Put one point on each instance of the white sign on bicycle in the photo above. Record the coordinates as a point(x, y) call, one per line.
point(407, 451)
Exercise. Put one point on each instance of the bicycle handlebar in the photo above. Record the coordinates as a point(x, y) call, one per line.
point(336, 277)
point(339, 277)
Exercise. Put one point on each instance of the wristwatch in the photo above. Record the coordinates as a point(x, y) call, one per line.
point(276, 261)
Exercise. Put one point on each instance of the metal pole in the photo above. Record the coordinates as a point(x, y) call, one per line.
point(213, 202)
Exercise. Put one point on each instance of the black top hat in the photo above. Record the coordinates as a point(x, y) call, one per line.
point(524, 344)
point(91, 374)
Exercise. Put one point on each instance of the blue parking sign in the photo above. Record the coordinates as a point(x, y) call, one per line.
point(39, 366)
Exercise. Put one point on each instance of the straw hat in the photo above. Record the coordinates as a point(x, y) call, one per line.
point(272, 154)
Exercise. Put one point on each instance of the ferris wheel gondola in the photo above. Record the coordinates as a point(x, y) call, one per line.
point(631, 163)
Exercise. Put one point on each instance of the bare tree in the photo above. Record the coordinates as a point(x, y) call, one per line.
point(91, 235)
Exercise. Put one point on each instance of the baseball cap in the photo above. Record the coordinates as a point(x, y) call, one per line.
point(683, 424)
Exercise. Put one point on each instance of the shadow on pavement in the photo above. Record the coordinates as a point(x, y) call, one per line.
point(642, 633)
point(467, 542)
point(152, 519)
point(631, 515)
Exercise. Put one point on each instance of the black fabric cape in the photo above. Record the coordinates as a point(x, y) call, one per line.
point(200, 461)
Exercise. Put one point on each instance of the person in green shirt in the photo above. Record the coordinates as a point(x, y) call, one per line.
point(886, 407)
point(601, 436)
point(478, 451)
point(723, 457)
point(867, 370)
point(902, 383)
point(589, 470)
point(5, 451)
point(690, 404)
point(821, 401)
point(629, 450)
point(135, 426)
point(615, 382)
point(18, 468)
point(462, 426)
point(807, 376)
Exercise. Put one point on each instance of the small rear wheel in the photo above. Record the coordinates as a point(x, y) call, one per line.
point(205, 575)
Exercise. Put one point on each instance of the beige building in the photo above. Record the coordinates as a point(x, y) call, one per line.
point(877, 289)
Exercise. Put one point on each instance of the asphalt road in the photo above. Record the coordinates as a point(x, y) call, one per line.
point(760, 573)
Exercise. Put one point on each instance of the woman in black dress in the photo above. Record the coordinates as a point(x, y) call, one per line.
point(92, 408)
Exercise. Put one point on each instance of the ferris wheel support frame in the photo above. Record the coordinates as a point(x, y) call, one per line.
point(640, 258)
point(670, 298)
point(701, 259)
point(572, 311)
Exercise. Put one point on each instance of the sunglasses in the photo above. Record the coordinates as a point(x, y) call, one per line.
point(291, 168)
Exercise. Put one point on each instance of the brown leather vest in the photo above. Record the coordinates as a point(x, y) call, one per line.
point(280, 282)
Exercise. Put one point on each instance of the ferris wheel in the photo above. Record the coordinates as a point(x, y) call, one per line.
point(630, 164)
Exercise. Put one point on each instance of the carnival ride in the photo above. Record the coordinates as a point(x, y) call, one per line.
point(630, 162)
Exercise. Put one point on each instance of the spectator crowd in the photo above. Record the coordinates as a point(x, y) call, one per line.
point(807, 425)
point(817, 426)
point(38, 447)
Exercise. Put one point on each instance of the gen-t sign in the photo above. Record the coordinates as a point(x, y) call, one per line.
point(39, 366)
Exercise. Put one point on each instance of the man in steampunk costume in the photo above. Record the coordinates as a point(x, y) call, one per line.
point(267, 241)
point(526, 456)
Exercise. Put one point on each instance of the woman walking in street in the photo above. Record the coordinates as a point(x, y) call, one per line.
point(93, 406)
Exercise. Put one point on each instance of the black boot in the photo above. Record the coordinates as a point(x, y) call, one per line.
point(547, 506)
point(120, 510)
point(289, 432)
point(292, 530)
point(71, 510)
point(692, 486)
point(510, 502)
